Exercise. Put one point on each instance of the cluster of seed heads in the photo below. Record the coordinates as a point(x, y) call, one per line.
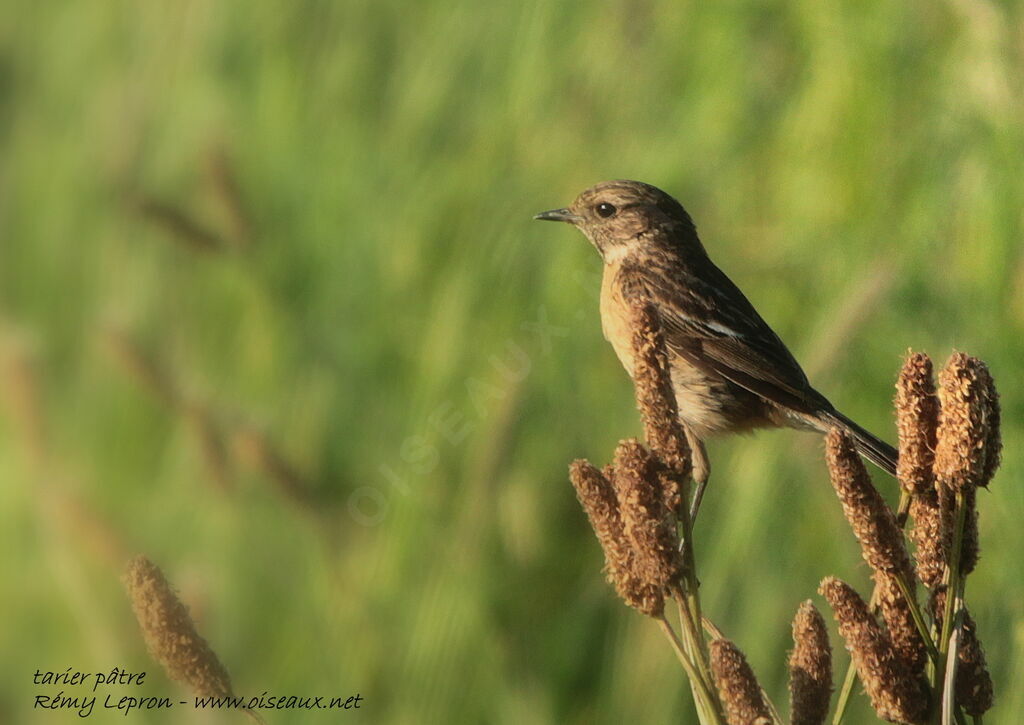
point(950, 446)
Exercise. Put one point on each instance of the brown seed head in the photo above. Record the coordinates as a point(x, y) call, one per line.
point(917, 419)
point(741, 695)
point(810, 668)
point(654, 394)
point(870, 518)
point(657, 403)
point(961, 459)
point(671, 486)
point(648, 523)
point(994, 442)
point(597, 497)
point(931, 534)
point(896, 695)
point(170, 634)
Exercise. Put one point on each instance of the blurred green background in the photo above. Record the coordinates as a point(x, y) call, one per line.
point(274, 313)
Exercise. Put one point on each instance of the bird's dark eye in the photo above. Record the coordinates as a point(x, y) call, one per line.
point(605, 209)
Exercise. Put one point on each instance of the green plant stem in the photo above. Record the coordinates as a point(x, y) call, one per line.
point(844, 693)
point(695, 644)
point(696, 680)
point(903, 510)
point(947, 703)
point(953, 592)
point(688, 647)
point(915, 613)
point(690, 561)
point(949, 709)
point(953, 580)
point(686, 627)
point(688, 596)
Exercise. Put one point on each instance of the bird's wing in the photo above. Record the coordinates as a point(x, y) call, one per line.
point(711, 324)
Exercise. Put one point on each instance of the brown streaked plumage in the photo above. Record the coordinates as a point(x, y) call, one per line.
point(731, 373)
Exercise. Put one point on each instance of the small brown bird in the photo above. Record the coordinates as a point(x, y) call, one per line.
point(730, 371)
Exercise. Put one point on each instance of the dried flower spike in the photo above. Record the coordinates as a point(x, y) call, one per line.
point(737, 687)
point(870, 518)
point(597, 497)
point(654, 395)
point(169, 632)
point(656, 400)
point(964, 425)
point(896, 695)
point(917, 419)
point(647, 522)
point(994, 442)
point(931, 534)
point(810, 668)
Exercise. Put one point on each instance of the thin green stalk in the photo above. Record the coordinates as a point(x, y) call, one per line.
point(776, 718)
point(688, 646)
point(903, 510)
point(690, 593)
point(844, 694)
point(689, 559)
point(695, 679)
point(695, 642)
point(953, 587)
point(958, 628)
point(952, 584)
point(949, 685)
point(915, 613)
point(950, 711)
point(678, 648)
point(686, 627)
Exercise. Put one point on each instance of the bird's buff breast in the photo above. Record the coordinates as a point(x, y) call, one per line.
point(708, 406)
point(615, 318)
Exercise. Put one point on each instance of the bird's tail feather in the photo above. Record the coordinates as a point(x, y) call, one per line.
point(871, 447)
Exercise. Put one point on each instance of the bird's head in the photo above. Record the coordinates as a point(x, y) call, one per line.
point(619, 217)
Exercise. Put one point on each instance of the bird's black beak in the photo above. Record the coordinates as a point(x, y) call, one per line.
point(558, 215)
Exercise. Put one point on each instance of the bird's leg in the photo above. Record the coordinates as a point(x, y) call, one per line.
point(701, 471)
